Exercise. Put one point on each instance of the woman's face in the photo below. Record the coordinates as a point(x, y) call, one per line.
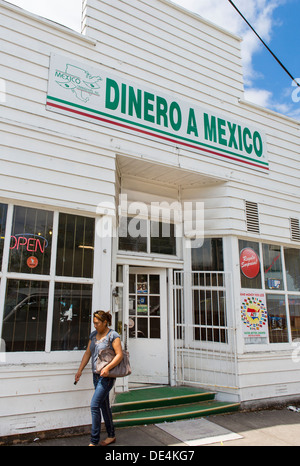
point(99, 325)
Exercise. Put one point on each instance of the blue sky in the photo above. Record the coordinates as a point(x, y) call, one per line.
point(277, 21)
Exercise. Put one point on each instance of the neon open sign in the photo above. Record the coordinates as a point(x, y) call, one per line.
point(30, 242)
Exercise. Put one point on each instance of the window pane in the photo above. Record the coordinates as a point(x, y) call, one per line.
point(31, 239)
point(292, 265)
point(75, 246)
point(294, 306)
point(254, 282)
point(209, 257)
point(272, 267)
point(142, 330)
point(3, 214)
point(25, 315)
point(71, 317)
point(163, 239)
point(277, 321)
point(154, 328)
point(133, 234)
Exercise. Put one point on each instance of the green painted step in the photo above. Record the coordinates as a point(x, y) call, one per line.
point(172, 413)
point(147, 398)
point(166, 404)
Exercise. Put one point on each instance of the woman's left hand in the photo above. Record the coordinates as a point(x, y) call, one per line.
point(104, 372)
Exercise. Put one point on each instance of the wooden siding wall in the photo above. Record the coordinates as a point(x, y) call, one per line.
point(53, 160)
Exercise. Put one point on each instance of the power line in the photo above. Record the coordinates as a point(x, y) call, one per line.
point(267, 47)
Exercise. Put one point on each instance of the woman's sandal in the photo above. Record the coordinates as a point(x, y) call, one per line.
point(108, 441)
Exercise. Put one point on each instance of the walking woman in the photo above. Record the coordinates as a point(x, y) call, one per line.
point(100, 339)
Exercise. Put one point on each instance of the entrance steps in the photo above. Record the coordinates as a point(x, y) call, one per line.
point(165, 404)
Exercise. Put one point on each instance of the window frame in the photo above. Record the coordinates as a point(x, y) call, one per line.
point(268, 291)
point(148, 252)
point(52, 279)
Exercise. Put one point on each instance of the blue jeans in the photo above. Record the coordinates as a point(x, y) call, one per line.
point(100, 402)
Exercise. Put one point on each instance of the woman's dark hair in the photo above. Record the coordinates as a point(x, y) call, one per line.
point(103, 316)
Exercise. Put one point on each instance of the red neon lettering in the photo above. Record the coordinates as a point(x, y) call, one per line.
point(31, 244)
point(19, 241)
point(31, 247)
point(37, 242)
point(16, 242)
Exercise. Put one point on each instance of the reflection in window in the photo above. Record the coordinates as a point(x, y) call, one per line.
point(31, 239)
point(25, 315)
point(133, 234)
point(292, 264)
point(75, 246)
point(210, 315)
point(163, 239)
point(144, 306)
point(209, 257)
point(294, 307)
point(245, 281)
point(71, 316)
point(3, 214)
point(272, 267)
point(277, 321)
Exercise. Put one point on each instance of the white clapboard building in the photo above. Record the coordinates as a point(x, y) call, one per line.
point(136, 178)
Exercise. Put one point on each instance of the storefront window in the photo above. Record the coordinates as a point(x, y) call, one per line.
point(272, 267)
point(209, 315)
point(277, 321)
point(294, 307)
point(25, 315)
point(209, 257)
point(3, 214)
point(250, 264)
point(133, 234)
point(31, 239)
point(292, 265)
point(71, 316)
point(75, 246)
point(163, 239)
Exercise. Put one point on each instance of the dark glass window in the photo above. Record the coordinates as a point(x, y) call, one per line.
point(31, 239)
point(133, 234)
point(163, 239)
point(25, 315)
point(278, 332)
point(144, 306)
point(3, 214)
point(209, 257)
point(71, 316)
point(272, 267)
point(292, 265)
point(294, 307)
point(246, 282)
point(75, 246)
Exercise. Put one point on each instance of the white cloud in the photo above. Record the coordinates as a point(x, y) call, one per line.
point(67, 13)
point(259, 13)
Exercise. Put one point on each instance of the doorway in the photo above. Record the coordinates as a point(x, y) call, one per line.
point(148, 325)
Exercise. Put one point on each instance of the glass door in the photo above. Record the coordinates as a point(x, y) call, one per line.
point(147, 324)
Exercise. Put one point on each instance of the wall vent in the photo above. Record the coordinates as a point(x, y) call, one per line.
point(252, 217)
point(295, 229)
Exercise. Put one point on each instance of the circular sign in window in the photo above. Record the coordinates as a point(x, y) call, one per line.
point(32, 262)
point(249, 263)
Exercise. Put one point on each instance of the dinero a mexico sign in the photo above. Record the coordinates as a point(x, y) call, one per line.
point(102, 98)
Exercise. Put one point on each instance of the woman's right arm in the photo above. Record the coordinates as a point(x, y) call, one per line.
point(84, 361)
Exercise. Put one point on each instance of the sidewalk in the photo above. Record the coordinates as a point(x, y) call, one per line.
point(279, 427)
